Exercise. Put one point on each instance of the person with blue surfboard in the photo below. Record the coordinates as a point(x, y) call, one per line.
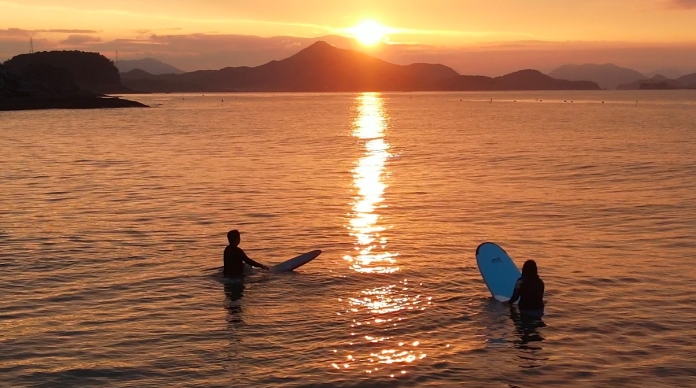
point(529, 289)
point(234, 257)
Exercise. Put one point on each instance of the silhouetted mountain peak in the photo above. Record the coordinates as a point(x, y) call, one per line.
point(604, 66)
point(151, 65)
point(661, 82)
point(689, 80)
point(320, 45)
point(607, 75)
point(527, 73)
point(526, 76)
point(322, 67)
point(593, 66)
point(321, 53)
point(137, 73)
point(317, 49)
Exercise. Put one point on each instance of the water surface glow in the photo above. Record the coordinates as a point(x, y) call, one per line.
point(368, 180)
point(378, 311)
point(113, 222)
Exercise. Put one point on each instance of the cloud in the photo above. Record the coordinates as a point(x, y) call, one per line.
point(144, 31)
point(60, 31)
point(682, 4)
point(15, 32)
point(22, 33)
point(80, 39)
point(210, 51)
point(202, 51)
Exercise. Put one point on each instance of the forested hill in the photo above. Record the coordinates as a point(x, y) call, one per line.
point(90, 71)
point(42, 86)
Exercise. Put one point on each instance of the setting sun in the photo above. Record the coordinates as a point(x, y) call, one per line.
point(369, 32)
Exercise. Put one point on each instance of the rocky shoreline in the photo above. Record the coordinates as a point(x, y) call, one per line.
point(42, 86)
point(77, 102)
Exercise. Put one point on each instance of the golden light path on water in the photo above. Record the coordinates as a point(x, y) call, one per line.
point(370, 126)
point(376, 313)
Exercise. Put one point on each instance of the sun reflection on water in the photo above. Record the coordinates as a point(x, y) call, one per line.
point(370, 125)
point(378, 342)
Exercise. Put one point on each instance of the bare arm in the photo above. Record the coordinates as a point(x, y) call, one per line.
point(253, 263)
point(516, 292)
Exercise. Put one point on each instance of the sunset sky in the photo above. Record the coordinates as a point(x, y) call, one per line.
point(477, 37)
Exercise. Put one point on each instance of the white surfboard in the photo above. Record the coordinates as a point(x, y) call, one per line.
point(295, 262)
point(498, 270)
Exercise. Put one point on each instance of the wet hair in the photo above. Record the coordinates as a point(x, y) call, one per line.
point(529, 269)
point(233, 235)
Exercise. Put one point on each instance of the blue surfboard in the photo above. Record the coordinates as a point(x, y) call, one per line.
point(289, 265)
point(295, 262)
point(498, 270)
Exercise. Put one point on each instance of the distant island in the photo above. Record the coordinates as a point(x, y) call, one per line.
point(324, 68)
point(610, 76)
point(60, 80)
point(150, 65)
point(659, 82)
point(75, 79)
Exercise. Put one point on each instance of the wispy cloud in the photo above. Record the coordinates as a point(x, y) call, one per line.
point(147, 31)
point(80, 39)
point(22, 33)
point(215, 51)
point(15, 33)
point(62, 31)
point(463, 33)
point(161, 16)
point(682, 4)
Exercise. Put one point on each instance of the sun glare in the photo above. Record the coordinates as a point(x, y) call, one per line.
point(369, 32)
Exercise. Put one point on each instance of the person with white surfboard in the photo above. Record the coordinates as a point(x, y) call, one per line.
point(234, 257)
point(529, 289)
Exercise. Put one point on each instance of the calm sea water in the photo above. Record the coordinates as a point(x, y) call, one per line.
point(113, 223)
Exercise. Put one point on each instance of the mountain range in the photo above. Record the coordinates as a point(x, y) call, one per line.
point(661, 82)
point(610, 76)
point(150, 65)
point(324, 68)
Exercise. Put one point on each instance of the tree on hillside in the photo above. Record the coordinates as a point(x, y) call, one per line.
point(88, 70)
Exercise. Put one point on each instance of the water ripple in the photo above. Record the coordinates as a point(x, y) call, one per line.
point(112, 226)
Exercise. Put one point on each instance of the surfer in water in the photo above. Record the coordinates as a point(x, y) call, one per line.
point(530, 291)
point(234, 257)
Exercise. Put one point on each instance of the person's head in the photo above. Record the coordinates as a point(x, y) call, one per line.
point(529, 269)
point(233, 237)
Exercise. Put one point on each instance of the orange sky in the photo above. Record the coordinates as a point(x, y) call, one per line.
point(446, 27)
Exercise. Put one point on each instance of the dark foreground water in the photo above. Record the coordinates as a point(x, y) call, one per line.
point(113, 222)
